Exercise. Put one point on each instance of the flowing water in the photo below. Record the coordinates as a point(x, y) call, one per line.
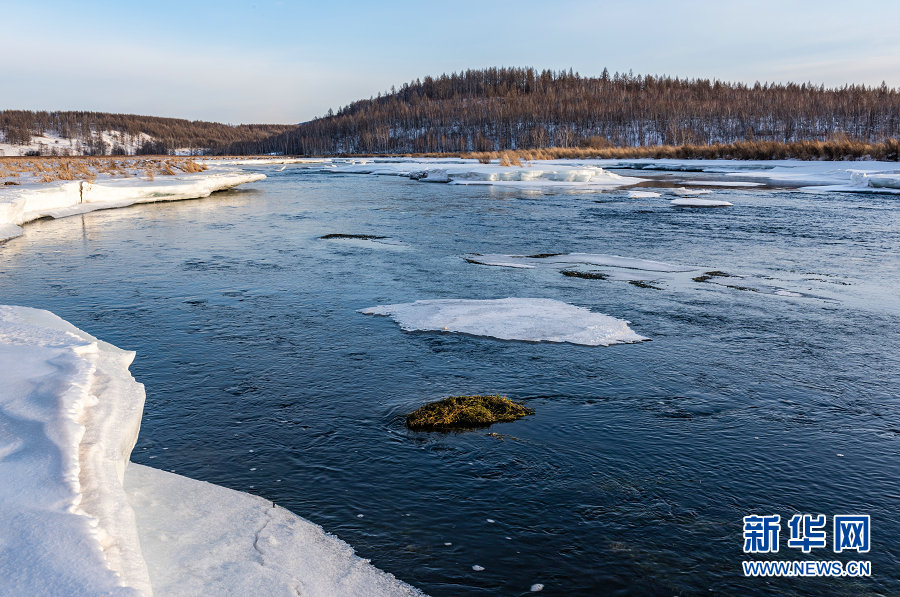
point(773, 390)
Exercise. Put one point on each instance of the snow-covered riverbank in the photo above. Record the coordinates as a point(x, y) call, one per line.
point(78, 519)
point(23, 203)
point(812, 176)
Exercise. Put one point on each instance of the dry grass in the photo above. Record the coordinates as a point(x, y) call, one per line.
point(838, 148)
point(16, 170)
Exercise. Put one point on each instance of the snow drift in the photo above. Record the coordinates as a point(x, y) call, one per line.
point(70, 413)
point(529, 319)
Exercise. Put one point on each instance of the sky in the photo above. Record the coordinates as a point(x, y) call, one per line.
point(286, 62)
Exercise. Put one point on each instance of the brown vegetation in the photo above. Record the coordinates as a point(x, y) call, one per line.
point(49, 169)
point(465, 412)
point(840, 148)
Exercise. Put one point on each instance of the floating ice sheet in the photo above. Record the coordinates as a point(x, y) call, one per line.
point(643, 194)
point(203, 539)
point(696, 202)
point(684, 192)
point(529, 319)
point(566, 259)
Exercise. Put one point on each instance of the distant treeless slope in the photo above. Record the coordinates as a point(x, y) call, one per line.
point(521, 108)
point(99, 133)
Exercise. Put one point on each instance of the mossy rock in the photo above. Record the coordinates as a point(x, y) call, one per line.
point(465, 412)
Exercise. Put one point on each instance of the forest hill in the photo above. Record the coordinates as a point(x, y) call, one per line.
point(520, 108)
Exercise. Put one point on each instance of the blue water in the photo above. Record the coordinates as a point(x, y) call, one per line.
point(635, 472)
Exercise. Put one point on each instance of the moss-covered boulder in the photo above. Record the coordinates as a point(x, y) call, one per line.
point(465, 412)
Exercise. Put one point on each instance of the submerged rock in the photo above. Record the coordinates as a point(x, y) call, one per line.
point(356, 236)
point(572, 273)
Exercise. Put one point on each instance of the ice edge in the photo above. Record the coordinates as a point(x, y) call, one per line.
point(70, 399)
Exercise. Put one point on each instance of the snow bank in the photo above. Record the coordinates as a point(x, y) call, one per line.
point(813, 176)
point(470, 172)
point(261, 161)
point(28, 202)
point(70, 414)
point(696, 202)
point(530, 319)
point(565, 259)
point(69, 417)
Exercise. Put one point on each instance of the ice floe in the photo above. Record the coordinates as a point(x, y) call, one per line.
point(528, 319)
point(696, 202)
point(566, 259)
point(684, 192)
point(24, 203)
point(75, 521)
point(643, 194)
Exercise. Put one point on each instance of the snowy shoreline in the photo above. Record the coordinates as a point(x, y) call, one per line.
point(88, 522)
point(590, 173)
point(28, 202)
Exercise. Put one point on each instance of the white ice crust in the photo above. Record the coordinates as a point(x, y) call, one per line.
point(697, 202)
point(21, 204)
point(203, 539)
point(70, 412)
point(563, 259)
point(529, 319)
point(683, 192)
point(643, 194)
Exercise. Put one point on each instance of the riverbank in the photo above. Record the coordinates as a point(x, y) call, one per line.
point(58, 188)
point(88, 522)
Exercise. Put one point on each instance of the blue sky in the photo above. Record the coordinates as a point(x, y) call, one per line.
point(280, 61)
